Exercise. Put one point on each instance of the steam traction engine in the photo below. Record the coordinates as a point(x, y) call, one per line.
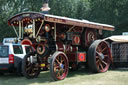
point(60, 43)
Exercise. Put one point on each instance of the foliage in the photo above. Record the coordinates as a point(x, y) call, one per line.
point(114, 12)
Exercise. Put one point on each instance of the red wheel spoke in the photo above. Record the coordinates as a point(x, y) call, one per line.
point(101, 66)
point(98, 65)
point(104, 49)
point(61, 57)
point(97, 52)
point(55, 69)
point(62, 61)
point(62, 71)
point(97, 57)
point(57, 61)
point(104, 62)
point(101, 45)
point(97, 61)
point(98, 49)
point(58, 74)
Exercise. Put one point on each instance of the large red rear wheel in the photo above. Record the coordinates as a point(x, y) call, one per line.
point(99, 56)
point(59, 66)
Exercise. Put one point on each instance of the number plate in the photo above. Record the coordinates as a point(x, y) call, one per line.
point(3, 60)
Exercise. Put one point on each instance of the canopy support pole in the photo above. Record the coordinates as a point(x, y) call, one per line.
point(55, 31)
point(15, 30)
point(71, 28)
point(33, 28)
point(40, 28)
point(22, 30)
point(19, 29)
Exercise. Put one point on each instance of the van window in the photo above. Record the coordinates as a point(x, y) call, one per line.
point(4, 51)
point(17, 49)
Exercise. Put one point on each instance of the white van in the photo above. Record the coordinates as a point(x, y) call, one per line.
point(11, 56)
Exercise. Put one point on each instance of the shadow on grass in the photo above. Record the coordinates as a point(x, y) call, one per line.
point(79, 72)
point(119, 69)
point(44, 77)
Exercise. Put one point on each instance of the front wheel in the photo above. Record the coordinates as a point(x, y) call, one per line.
point(31, 65)
point(59, 66)
point(99, 56)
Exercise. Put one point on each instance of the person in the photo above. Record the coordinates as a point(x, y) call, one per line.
point(45, 7)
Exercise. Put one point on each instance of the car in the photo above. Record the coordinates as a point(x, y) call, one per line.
point(11, 55)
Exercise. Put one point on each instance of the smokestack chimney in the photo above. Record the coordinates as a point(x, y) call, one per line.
point(45, 8)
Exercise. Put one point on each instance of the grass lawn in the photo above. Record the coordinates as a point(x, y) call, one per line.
point(81, 77)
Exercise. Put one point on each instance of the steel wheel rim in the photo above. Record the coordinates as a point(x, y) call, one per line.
point(102, 56)
point(60, 67)
point(31, 68)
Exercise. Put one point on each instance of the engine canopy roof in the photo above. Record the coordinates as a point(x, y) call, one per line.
point(28, 17)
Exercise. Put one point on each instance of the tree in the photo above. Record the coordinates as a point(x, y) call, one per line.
point(112, 12)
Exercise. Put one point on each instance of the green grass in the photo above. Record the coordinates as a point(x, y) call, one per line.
point(81, 77)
